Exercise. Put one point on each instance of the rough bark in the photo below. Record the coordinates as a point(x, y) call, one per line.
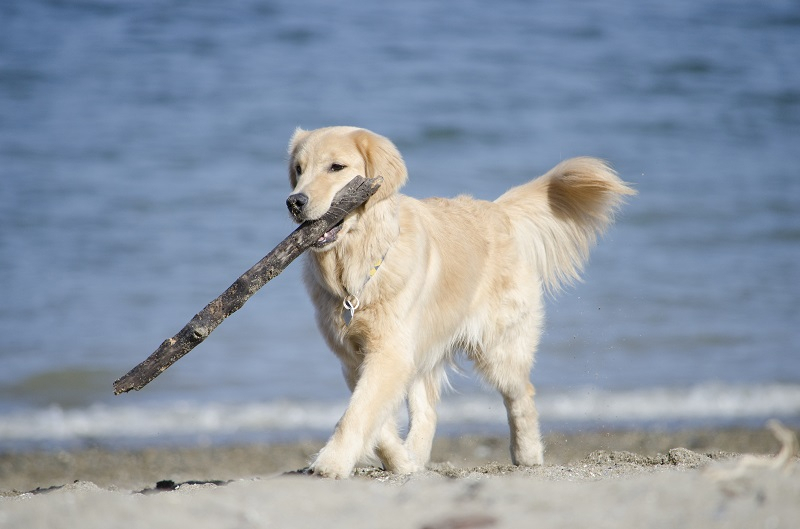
point(204, 322)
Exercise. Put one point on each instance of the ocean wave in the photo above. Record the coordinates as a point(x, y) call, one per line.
point(707, 402)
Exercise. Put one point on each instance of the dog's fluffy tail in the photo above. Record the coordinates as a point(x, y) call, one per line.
point(558, 216)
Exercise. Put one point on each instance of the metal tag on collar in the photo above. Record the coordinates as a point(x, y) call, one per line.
point(350, 303)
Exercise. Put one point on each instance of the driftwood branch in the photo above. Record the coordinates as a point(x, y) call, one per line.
point(350, 197)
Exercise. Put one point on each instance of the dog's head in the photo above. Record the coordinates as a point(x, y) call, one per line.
point(323, 161)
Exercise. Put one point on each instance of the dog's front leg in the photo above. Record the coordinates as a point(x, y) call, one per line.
point(393, 453)
point(379, 390)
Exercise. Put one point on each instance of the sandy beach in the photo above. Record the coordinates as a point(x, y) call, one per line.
point(693, 478)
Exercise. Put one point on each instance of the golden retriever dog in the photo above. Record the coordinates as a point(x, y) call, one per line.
point(402, 285)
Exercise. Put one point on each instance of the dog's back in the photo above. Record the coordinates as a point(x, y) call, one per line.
point(486, 264)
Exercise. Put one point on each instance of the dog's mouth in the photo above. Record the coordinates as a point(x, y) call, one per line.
point(329, 236)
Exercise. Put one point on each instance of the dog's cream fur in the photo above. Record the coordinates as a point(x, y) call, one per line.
point(459, 275)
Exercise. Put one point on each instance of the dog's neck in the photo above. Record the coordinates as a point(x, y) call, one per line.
point(344, 269)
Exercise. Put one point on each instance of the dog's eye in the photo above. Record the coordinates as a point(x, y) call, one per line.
point(336, 167)
point(298, 170)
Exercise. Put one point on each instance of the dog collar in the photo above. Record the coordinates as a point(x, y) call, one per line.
point(351, 301)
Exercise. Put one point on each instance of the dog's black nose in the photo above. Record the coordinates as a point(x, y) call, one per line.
point(296, 203)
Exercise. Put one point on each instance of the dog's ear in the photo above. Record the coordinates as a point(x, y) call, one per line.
point(297, 138)
point(381, 158)
point(294, 144)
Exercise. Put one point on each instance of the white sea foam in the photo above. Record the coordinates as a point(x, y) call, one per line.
point(706, 401)
point(709, 402)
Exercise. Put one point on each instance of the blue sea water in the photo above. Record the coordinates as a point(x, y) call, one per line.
point(142, 169)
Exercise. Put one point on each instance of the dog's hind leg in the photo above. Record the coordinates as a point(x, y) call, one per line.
point(523, 420)
point(507, 367)
point(423, 395)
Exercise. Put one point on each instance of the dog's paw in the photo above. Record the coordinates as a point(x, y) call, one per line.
point(532, 457)
point(327, 465)
point(331, 472)
point(396, 458)
point(530, 462)
point(527, 451)
point(403, 465)
point(411, 468)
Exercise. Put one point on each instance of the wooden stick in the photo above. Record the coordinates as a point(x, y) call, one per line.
point(355, 193)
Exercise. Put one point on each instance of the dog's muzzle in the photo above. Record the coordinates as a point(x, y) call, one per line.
point(296, 204)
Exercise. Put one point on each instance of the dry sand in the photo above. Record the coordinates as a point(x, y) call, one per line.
point(609, 479)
